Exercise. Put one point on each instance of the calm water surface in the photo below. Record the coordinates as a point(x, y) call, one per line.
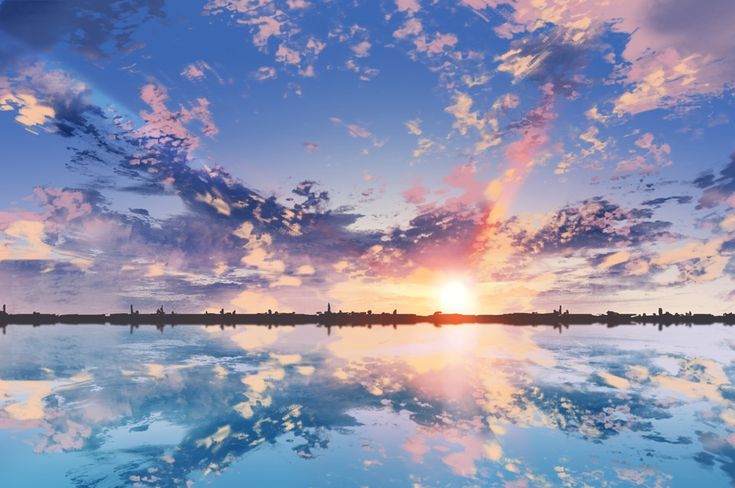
point(420, 406)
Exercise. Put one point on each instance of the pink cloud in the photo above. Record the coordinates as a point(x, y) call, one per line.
point(660, 152)
point(656, 157)
point(7, 218)
point(192, 72)
point(287, 55)
point(408, 6)
point(195, 71)
point(268, 26)
point(523, 151)
point(465, 448)
point(65, 204)
point(635, 164)
point(521, 155)
point(481, 4)
point(354, 130)
point(361, 49)
point(166, 126)
point(437, 44)
point(268, 22)
point(411, 27)
point(264, 73)
point(464, 177)
point(667, 59)
point(36, 94)
point(416, 194)
point(297, 4)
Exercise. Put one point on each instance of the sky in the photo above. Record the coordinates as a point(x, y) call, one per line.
point(254, 154)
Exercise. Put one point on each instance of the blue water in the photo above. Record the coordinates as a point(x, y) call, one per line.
point(416, 406)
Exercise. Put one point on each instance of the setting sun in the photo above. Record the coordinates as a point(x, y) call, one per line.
point(455, 297)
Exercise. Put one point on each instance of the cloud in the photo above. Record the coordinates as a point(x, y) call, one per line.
point(659, 152)
point(594, 115)
point(413, 127)
point(264, 73)
point(224, 237)
point(48, 98)
point(357, 131)
point(365, 73)
point(486, 125)
point(198, 70)
point(506, 102)
point(24, 240)
point(65, 204)
point(87, 26)
point(163, 126)
point(179, 252)
point(548, 59)
point(657, 202)
point(717, 189)
point(593, 224)
point(266, 26)
point(311, 147)
point(425, 145)
point(361, 49)
point(269, 242)
point(297, 4)
point(437, 44)
point(465, 118)
point(697, 261)
point(287, 55)
point(412, 27)
point(413, 30)
point(590, 136)
point(193, 72)
point(408, 6)
point(354, 130)
point(270, 23)
point(655, 158)
point(667, 61)
point(31, 112)
point(416, 194)
point(615, 259)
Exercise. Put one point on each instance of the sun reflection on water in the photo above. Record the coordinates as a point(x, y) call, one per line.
point(452, 405)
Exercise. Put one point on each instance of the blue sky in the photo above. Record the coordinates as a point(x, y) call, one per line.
point(250, 154)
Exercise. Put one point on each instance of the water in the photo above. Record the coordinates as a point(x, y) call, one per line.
point(472, 405)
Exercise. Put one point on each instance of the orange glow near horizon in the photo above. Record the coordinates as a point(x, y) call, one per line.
point(456, 297)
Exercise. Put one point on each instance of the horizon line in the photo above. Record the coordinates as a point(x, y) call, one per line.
point(340, 318)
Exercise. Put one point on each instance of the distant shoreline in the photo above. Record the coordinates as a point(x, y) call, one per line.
point(364, 319)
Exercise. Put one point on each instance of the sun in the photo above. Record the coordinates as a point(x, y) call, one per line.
point(455, 297)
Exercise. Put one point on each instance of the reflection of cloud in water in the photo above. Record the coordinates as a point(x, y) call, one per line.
point(471, 393)
point(252, 337)
point(697, 378)
point(432, 348)
point(23, 400)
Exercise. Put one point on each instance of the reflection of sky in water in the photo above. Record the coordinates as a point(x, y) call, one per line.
point(421, 406)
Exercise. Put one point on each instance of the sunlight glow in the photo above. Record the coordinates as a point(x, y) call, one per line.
point(455, 297)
